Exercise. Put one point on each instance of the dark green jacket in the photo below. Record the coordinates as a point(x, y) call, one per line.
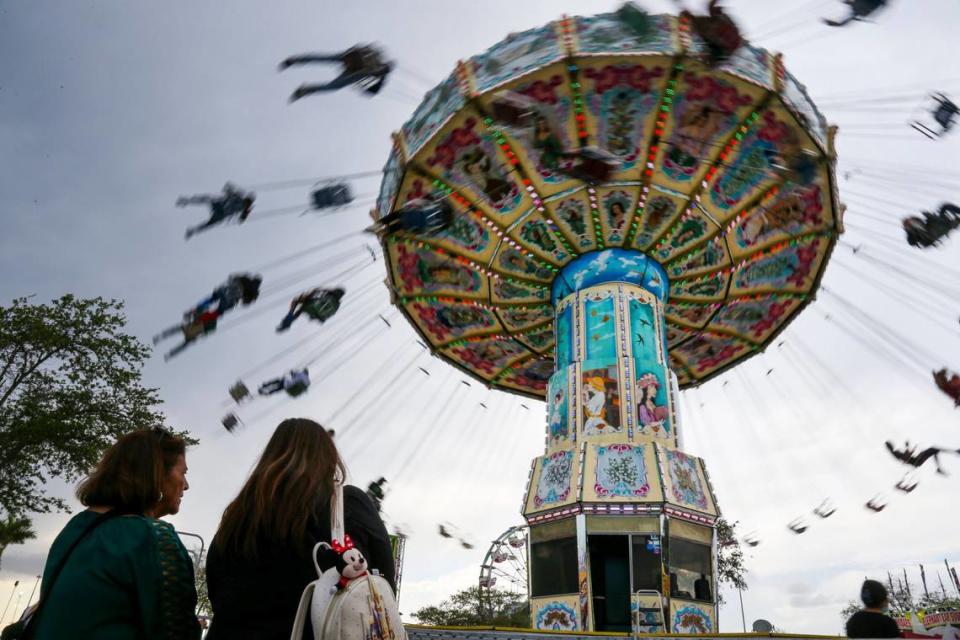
point(129, 579)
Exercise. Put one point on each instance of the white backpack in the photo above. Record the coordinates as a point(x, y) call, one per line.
point(365, 609)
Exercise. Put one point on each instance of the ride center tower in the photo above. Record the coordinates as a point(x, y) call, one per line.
point(623, 218)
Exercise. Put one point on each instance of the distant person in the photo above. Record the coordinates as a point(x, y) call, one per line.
point(231, 204)
point(116, 570)
point(871, 621)
point(260, 558)
point(295, 383)
point(319, 304)
point(362, 64)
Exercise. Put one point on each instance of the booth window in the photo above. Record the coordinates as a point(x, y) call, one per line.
point(647, 568)
point(553, 564)
point(690, 574)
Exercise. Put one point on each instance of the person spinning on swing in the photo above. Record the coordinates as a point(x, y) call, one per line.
point(363, 65)
point(239, 288)
point(232, 203)
point(928, 230)
point(318, 304)
point(718, 31)
point(949, 385)
point(295, 383)
point(419, 217)
point(859, 10)
point(908, 455)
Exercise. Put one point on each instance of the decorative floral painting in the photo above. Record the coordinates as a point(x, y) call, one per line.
point(556, 616)
point(621, 472)
point(556, 478)
point(685, 479)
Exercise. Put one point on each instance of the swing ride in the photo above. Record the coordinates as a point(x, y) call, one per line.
point(598, 213)
point(635, 208)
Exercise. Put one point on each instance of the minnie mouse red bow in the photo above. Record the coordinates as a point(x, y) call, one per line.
point(340, 548)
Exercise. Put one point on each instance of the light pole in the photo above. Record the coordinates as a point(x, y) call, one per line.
point(32, 591)
point(9, 600)
point(743, 618)
point(17, 606)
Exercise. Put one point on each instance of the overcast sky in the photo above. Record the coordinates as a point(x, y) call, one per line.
point(110, 110)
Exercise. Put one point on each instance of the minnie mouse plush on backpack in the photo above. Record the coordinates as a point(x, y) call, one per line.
point(347, 560)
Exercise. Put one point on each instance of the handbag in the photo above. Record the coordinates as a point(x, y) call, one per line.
point(24, 629)
point(366, 609)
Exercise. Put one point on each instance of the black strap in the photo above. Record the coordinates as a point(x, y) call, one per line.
point(27, 631)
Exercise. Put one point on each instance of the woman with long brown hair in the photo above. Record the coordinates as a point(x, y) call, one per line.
point(260, 558)
point(116, 570)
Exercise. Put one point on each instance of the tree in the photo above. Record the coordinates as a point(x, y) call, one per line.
point(15, 530)
point(204, 608)
point(730, 558)
point(473, 606)
point(70, 384)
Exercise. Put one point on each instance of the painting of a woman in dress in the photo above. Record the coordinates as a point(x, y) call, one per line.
point(649, 413)
point(601, 401)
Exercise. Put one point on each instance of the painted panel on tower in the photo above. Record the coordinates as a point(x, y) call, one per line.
point(601, 398)
point(691, 617)
point(652, 398)
point(643, 334)
point(565, 336)
point(686, 487)
point(621, 471)
point(601, 328)
point(558, 407)
point(604, 267)
point(555, 484)
point(555, 614)
point(655, 283)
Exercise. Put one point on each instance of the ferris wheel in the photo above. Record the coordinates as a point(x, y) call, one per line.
point(505, 564)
